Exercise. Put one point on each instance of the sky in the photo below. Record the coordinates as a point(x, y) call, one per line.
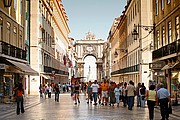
point(94, 16)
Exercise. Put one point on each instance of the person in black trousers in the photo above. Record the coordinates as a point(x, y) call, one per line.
point(163, 96)
point(151, 95)
point(57, 91)
point(19, 99)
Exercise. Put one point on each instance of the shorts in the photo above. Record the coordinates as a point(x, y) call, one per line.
point(105, 94)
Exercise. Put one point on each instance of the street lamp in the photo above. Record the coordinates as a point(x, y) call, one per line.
point(7, 3)
point(121, 50)
point(145, 27)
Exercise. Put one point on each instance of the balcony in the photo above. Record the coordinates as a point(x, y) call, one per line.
point(126, 70)
point(13, 51)
point(169, 49)
point(50, 69)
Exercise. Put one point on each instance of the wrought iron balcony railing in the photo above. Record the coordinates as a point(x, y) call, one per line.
point(50, 69)
point(126, 70)
point(169, 49)
point(13, 51)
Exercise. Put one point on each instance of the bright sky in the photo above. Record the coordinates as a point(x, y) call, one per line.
point(95, 16)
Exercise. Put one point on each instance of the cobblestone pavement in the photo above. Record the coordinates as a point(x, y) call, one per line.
point(47, 109)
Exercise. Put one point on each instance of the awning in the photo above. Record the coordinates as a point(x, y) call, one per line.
point(170, 66)
point(166, 67)
point(24, 68)
point(46, 76)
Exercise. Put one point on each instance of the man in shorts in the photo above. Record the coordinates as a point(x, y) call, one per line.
point(105, 88)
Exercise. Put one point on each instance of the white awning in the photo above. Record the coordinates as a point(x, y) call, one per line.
point(165, 67)
point(46, 76)
point(24, 68)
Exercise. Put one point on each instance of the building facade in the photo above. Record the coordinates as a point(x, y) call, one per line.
point(139, 53)
point(49, 43)
point(166, 54)
point(15, 67)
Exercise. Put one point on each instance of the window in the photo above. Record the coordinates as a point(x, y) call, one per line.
point(163, 36)
point(8, 32)
point(157, 7)
point(158, 44)
point(20, 39)
point(15, 36)
point(169, 32)
point(162, 4)
point(1, 28)
point(21, 7)
point(168, 1)
point(135, 10)
point(177, 27)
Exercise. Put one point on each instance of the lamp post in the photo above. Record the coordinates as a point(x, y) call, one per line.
point(7, 3)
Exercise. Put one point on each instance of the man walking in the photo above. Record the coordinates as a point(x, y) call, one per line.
point(130, 94)
point(105, 88)
point(163, 98)
point(95, 87)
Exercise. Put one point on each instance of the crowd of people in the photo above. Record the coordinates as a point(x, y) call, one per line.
point(106, 93)
point(109, 93)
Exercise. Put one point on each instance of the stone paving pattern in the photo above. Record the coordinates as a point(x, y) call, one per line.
point(47, 109)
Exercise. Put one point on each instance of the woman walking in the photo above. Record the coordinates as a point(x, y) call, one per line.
point(151, 100)
point(76, 92)
point(112, 94)
point(19, 99)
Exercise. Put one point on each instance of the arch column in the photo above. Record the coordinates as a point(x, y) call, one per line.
point(81, 69)
point(99, 70)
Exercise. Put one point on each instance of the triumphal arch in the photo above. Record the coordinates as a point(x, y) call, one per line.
point(89, 46)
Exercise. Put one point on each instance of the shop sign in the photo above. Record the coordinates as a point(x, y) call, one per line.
point(157, 65)
point(2, 66)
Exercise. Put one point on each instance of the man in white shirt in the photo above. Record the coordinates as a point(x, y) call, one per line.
point(95, 87)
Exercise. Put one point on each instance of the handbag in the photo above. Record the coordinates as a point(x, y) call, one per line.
point(170, 109)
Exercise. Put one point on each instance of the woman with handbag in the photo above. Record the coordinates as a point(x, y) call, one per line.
point(151, 95)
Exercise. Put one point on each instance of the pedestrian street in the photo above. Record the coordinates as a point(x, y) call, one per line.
point(48, 109)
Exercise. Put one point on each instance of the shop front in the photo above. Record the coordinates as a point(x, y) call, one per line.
point(11, 74)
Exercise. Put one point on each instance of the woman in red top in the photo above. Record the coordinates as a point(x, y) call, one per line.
point(19, 99)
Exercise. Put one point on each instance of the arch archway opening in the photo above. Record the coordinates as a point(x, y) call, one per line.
point(90, 68)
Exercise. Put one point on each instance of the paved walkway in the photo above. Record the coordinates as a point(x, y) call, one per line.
point(47, 109)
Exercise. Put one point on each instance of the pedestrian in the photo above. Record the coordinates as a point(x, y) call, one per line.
point(117, 92)
point(89, 92)
point(41, 90)
point(57, 91)
point(95, 87)
point(45, 90)
point(124, 95)
point(130, 94)
point(76, 92)
point(142, 92)
point(151, 95)
point(163, 96)
point(49, 91)
point(112, 94)
point(105, 88)
point(19, 99)
point(138, 95)
point(100, 93)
